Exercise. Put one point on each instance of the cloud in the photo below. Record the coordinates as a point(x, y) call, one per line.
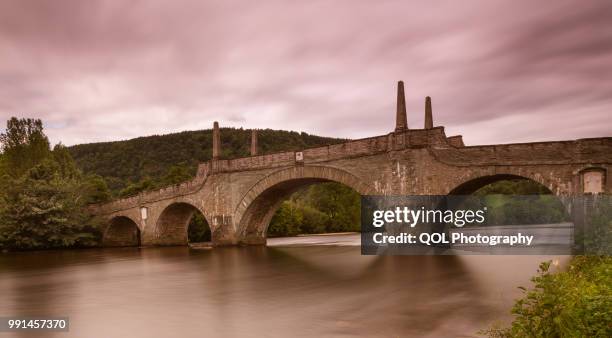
point(497, 71)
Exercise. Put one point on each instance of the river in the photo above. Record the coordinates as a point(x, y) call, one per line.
point(309, 286)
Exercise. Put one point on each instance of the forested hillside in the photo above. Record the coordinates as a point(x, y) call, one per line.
point(145, 162)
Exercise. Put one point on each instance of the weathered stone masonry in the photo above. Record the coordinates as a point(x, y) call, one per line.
point(238, 197)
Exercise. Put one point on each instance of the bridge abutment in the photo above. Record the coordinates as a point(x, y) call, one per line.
point(223, 232)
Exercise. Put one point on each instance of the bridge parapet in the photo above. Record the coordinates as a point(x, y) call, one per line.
point(583, 151)
point(411, 138)
point(155, 195)
point(448, 150)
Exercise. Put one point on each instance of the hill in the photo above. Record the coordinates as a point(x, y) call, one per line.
point(123, 163)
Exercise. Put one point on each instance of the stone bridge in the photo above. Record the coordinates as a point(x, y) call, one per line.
point(238, 197)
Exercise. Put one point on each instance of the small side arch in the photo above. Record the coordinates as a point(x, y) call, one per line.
point(172, 225)
point(121, 231)
point(258, 205)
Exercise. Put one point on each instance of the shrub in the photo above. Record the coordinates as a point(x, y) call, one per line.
point(572, 303)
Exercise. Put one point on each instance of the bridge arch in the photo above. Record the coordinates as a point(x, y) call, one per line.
point(258, 205)
point(472, 183)
point(172, 225)
point(121, 231)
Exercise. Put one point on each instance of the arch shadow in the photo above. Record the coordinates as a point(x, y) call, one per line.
point(122, 231)
point(172, 226)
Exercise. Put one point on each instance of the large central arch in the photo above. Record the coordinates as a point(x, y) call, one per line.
point(259, 204)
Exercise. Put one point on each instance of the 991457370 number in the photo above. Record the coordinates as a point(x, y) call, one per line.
point(19, 324)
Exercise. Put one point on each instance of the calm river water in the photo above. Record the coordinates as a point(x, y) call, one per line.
point(306, 286)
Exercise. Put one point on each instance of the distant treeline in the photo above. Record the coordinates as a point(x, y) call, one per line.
point(149, 162)
point(529, 203)
point(320, 208)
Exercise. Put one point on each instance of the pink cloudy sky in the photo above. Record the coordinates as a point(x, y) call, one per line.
point(498, 71)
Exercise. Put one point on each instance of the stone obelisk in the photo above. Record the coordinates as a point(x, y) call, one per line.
point(216, 141)
point(254, 142)
point(428, 114)
point(401, 121)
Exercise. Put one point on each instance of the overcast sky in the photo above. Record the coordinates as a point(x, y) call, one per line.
point(497, 71)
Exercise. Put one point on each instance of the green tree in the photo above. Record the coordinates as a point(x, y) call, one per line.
point(4, 177)
point(320, 208)
point(517, 186)
point(313, 221)
point(286, 221)
point(96, 189)
point(136, 188)
point(43, 196)
point(198, 229)
point(598, 227)
point(520, 201)
point(67, 166)
point(177, 174)
point(45, 210)
point(23, 145)
point(340, 203)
